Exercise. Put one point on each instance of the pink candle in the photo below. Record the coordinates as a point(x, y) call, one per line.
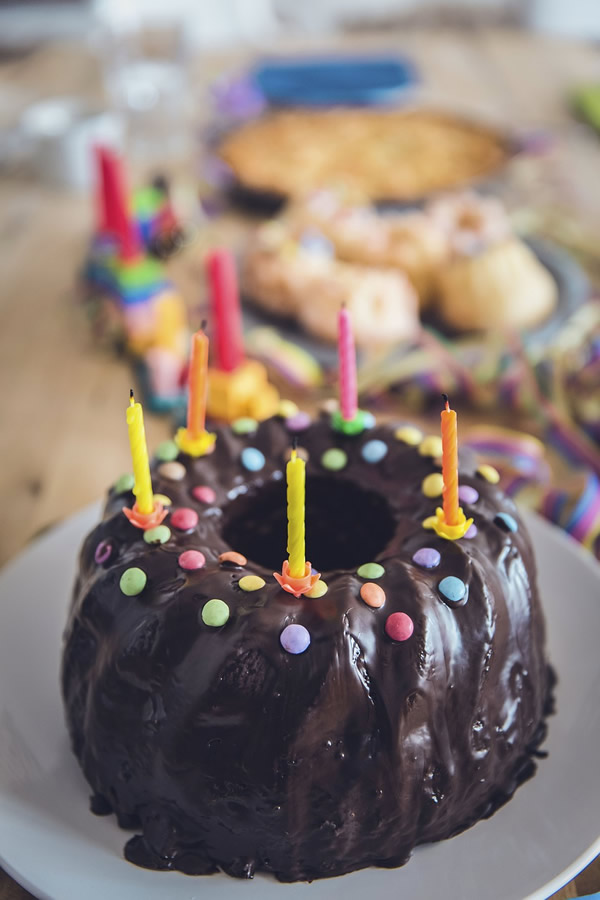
point(226, 316)
point(347, 366)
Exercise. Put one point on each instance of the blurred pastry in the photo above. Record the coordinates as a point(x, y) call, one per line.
point(302, 278)
point(470, 222)
point(505, 286)
point(387, 154)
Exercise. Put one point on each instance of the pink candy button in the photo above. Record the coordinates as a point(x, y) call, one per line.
point(184, 519)
point(191, 559)
point(399, 626)
point(204, 494)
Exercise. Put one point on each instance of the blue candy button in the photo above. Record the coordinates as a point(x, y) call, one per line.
point(506, 522)
point(374, 451)
point(453, 590)
point(252, 459)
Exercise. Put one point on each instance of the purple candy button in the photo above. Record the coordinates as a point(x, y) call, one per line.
point(468, 494)
point(471, 532)
point(428, 557)
point(298, 422)
point(294, 638)
point(103, 553)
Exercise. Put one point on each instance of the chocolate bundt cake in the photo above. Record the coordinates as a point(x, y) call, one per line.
point(237, 727)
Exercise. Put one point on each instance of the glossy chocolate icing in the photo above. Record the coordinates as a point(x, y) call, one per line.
point(223, 750)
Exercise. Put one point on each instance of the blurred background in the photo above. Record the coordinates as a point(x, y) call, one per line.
point(433, 165)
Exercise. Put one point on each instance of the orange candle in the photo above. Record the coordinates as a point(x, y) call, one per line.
point(450, 465)
point(198, 384)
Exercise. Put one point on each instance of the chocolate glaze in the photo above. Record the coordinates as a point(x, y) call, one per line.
point(224, 751)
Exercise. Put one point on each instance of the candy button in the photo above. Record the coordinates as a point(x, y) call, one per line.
point(204, 494)
point(453, 590)
point(319, 589)
point(370, 570)
point(244, 425)
point(489, 473)
point(372, 594)
point(191, 559)
point(428, 557)
point(409, 434)
point(215, 613)
point(252, 583)
point(294, 639)
point(103, 552)
point(167, 451)
point(158, 535)
point(374, 451)
point(399, 626)
point(334, 459)
point(184, 519)
point(252, 459)
point(472, 532)
point(287, 409)
point(468, 494)
point(133, 581)
point(298, 422)
point(174, 471)
point(163, 499)
point(506, 522)
point(232, 557)
point(431, 446)
point(368, 419)
point(123, 484)
point(433, 485)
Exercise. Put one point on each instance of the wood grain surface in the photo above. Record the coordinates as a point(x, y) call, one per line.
point(62, 439)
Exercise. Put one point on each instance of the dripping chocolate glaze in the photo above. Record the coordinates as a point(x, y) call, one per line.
point(222, 750)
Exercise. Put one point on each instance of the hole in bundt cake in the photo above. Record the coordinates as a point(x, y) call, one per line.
point(345, 524)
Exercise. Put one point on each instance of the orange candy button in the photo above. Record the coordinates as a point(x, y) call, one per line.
point(372, 594)
point(233, 557)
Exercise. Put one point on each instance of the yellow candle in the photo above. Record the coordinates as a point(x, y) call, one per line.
point(139, 457)
point(296, 479)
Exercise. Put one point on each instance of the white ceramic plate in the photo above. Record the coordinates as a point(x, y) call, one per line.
point(55, 847)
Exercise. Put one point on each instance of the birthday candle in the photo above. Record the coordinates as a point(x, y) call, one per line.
point(198, 384)
point(139, 457)
point(296, 479)
point(225, 304)
point(450, 465)
point(347, 366)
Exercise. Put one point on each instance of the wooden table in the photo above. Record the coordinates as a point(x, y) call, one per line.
point(61, 407)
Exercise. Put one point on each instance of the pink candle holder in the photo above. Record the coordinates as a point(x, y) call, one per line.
point(296, 586)
point(145, 521)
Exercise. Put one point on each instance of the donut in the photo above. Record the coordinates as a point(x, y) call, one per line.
point(234, 726)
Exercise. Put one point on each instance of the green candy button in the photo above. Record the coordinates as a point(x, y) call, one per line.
point(215, 613)
point(244, 426)
point(133, 581)
point(334, 459)
point(167, 451)
point(124, 483)
point(370, 570)
point(158, 535)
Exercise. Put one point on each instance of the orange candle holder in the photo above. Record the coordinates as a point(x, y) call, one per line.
point(296, 586)
point(199, 445)
point(452, 532)
point(145, 521)
point(245, 391)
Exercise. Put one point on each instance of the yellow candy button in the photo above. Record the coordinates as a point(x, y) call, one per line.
point(433, 485)
point(252, 583)
point(287, 409)
point(489, 473)
point(431, 446)
point(409, 434)
point(318, 590)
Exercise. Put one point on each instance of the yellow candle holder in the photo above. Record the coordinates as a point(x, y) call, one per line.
point(195, 446)
point(145, 521)
point(244, 392)
point(296, 586)
point(438, 524)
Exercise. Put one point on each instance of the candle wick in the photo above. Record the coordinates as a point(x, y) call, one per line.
point(131, 397)
point(446, 401)
point(295, 442)
point(203, 325)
